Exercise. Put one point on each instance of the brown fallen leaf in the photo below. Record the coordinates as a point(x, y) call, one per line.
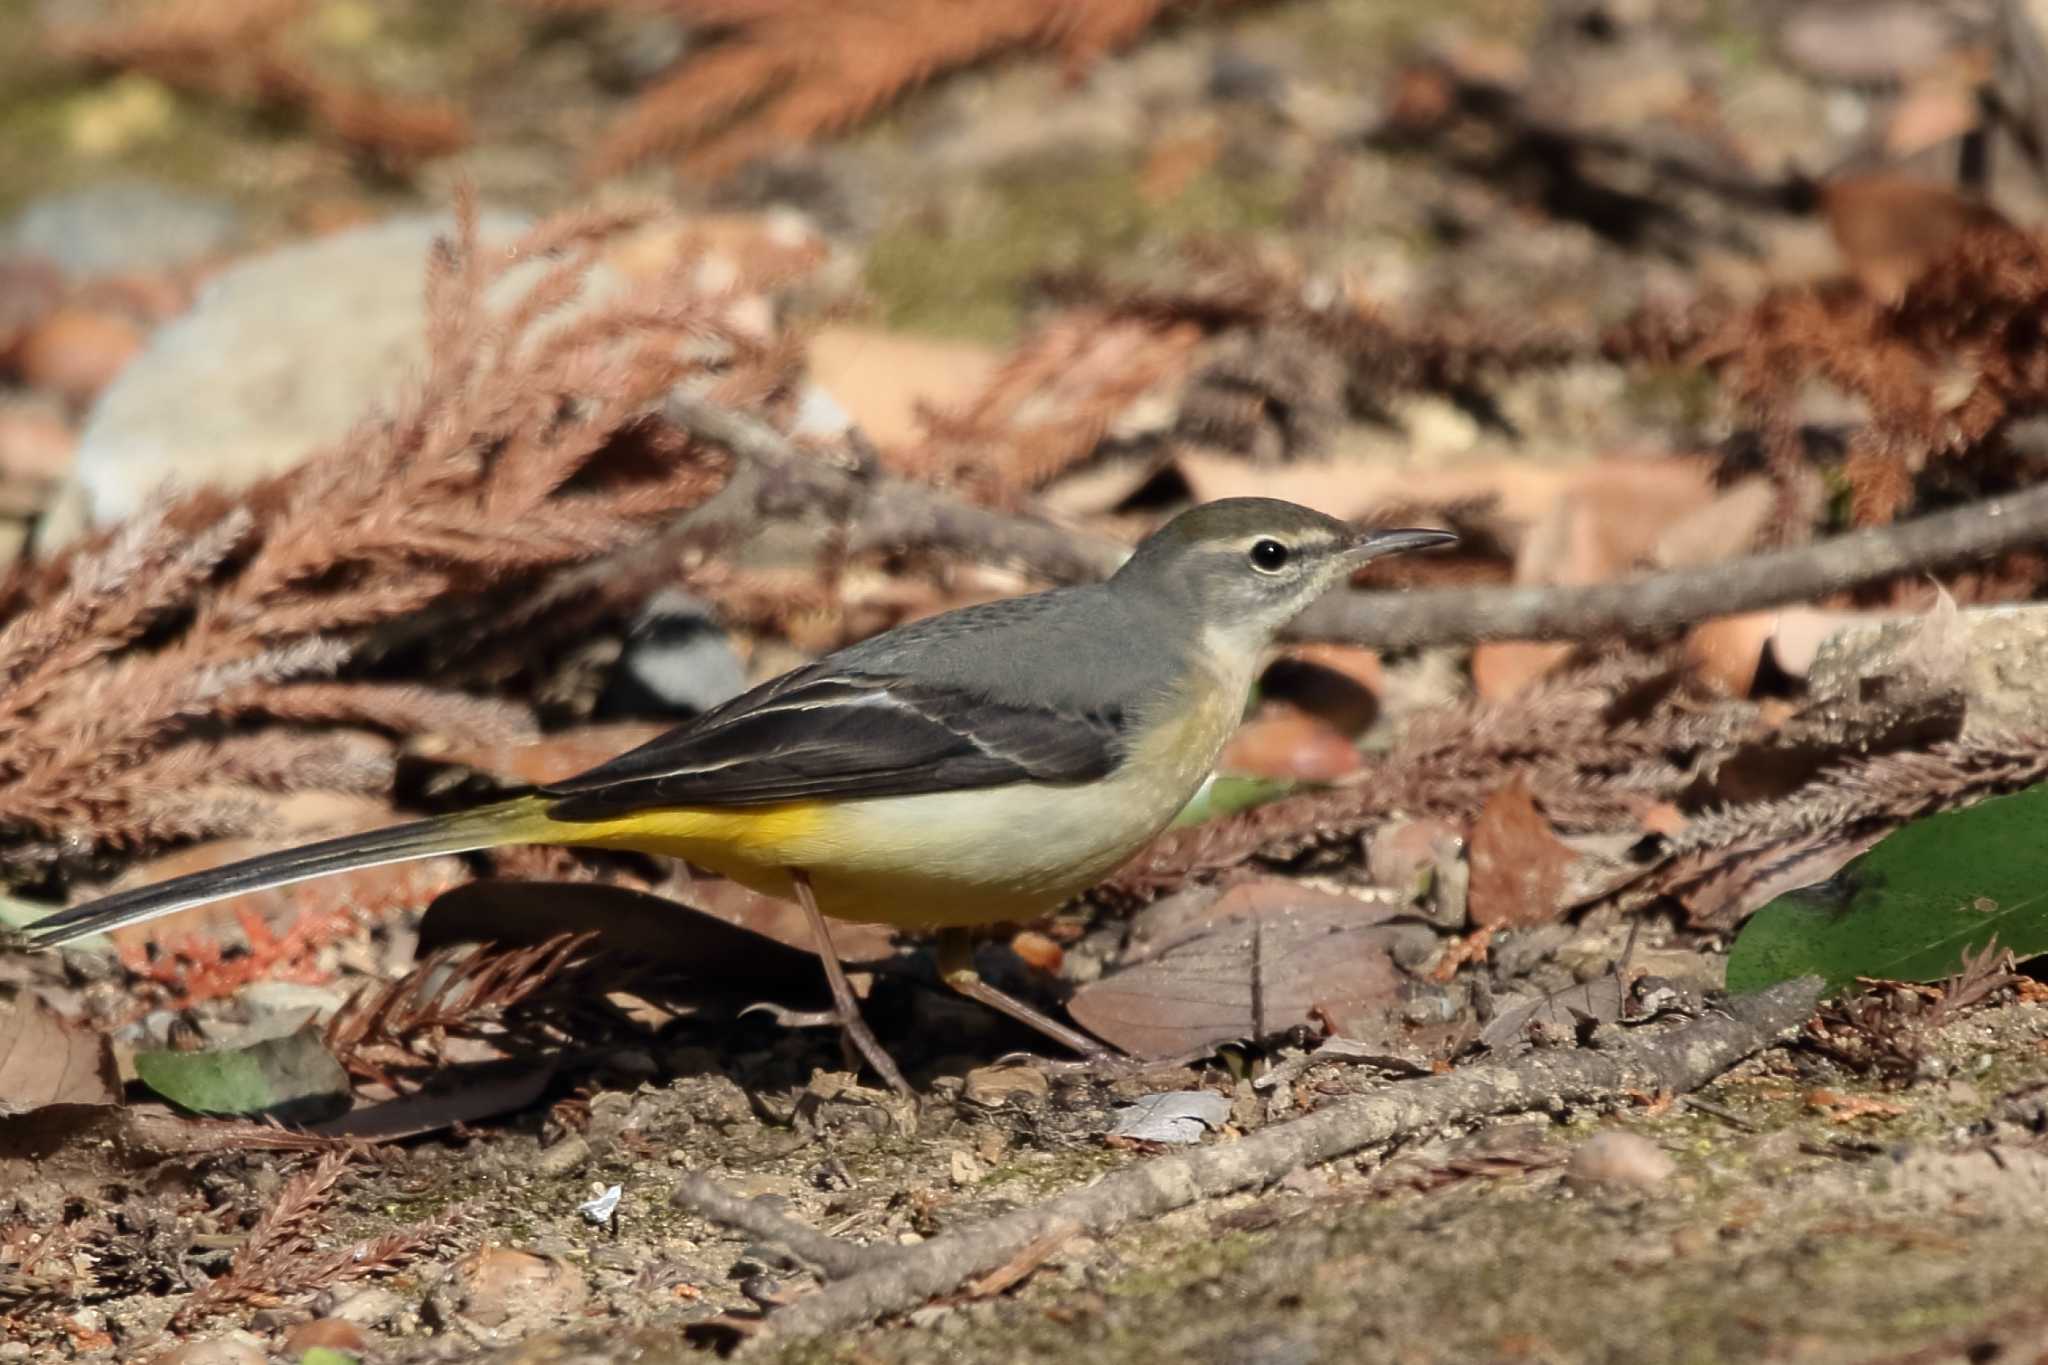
point(1519, 865)
point(1891, 228)
point(1283, 743)
point(1502, 669)
point(1172, 920)
point(724, 942)
point(1841, 1108)
point(456, 1095)
point(552, 759)
point(1338, 684)
point(46, 1061)
point(1252, 975)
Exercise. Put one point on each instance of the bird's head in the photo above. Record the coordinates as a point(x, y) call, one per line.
point(1248, 566)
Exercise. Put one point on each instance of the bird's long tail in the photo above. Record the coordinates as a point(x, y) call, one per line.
point(522, 820)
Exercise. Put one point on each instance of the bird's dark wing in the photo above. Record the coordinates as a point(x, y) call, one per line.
point(821, 733)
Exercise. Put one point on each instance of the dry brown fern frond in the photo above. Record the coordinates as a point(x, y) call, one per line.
point(790, 72)
point(1596, 746)
point(127, 664)
point(1307, 351)
point(1049, 404)
point(1943, 370)
point(241, 50)
point(404, 1023)
point(279, 1257)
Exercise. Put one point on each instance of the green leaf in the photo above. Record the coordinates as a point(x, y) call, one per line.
point(1910, 907)
point(1222, 796)
point(293, 1077)
point(325, 1355)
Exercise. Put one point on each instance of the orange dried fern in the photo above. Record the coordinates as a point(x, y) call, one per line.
point(790, 72)
point(135, 668)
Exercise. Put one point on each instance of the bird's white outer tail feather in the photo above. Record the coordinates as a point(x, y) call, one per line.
point(508, 822)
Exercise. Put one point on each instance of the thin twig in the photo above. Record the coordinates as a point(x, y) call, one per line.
point(1666, 601)
point(763, 1218)
point(1679, 1059)
point(882, 511)
point(886, 511)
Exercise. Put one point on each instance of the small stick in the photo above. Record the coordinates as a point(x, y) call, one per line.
point(1678, 1059)
point(760, 1218)
point(891, 511)
point(1666, 601)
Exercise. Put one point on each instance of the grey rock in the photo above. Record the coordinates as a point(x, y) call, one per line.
point(1864, 43)
point(280, 356)
point(1993, 661)
point(121, 226)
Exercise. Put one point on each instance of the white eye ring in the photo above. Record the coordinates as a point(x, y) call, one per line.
point(1269, 555)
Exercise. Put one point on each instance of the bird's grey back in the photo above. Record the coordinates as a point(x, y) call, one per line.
point(1075, 648)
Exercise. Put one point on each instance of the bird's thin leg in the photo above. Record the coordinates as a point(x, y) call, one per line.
point(956, 967)
point(853, 1030)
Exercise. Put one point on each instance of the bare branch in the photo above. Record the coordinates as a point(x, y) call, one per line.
point(1666, 601)
point(1677, 1060)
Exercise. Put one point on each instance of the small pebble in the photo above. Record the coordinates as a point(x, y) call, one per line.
point(236, 1348)
point(992, 1087)
point(373, 1306)
point(76, 351)
point(35, 442)
point(336, 1334)
point(1621, 1161)
point(564, 1157)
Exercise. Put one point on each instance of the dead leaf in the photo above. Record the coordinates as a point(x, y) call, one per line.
point(1338, 684)
point(1728, 525)
point(1519, 865)
point(1503, 669)
point(726, 948)
point(887, 380)
point(1933, 110)
point(1841, 1108)
point(451, 1096)
point(1285, 744)
point(1179, 159)
point(45, 1061)
point(1404, 854)
point(1556, 1017)
point(535, 762)
point(1251, 975)
point(1175, 919)
point(1891, 228)
point(1725, 652)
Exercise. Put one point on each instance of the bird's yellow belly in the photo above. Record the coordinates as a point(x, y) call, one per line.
point(945, 858)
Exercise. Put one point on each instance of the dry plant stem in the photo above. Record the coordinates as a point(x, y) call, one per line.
point(1678, 1060)
point(886, 512)
point(956, 968)
point(1666, 601)
point(761, 1218)
point(853, 1029)
point(896, 512)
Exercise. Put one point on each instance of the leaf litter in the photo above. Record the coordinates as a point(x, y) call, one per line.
point(1478, 820)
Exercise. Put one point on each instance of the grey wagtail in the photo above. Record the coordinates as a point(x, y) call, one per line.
point(976, 766)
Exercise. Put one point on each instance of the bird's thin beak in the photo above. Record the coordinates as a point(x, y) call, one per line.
point(1374, 544)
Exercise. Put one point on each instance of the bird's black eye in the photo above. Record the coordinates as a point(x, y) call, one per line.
point(1270, 556)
